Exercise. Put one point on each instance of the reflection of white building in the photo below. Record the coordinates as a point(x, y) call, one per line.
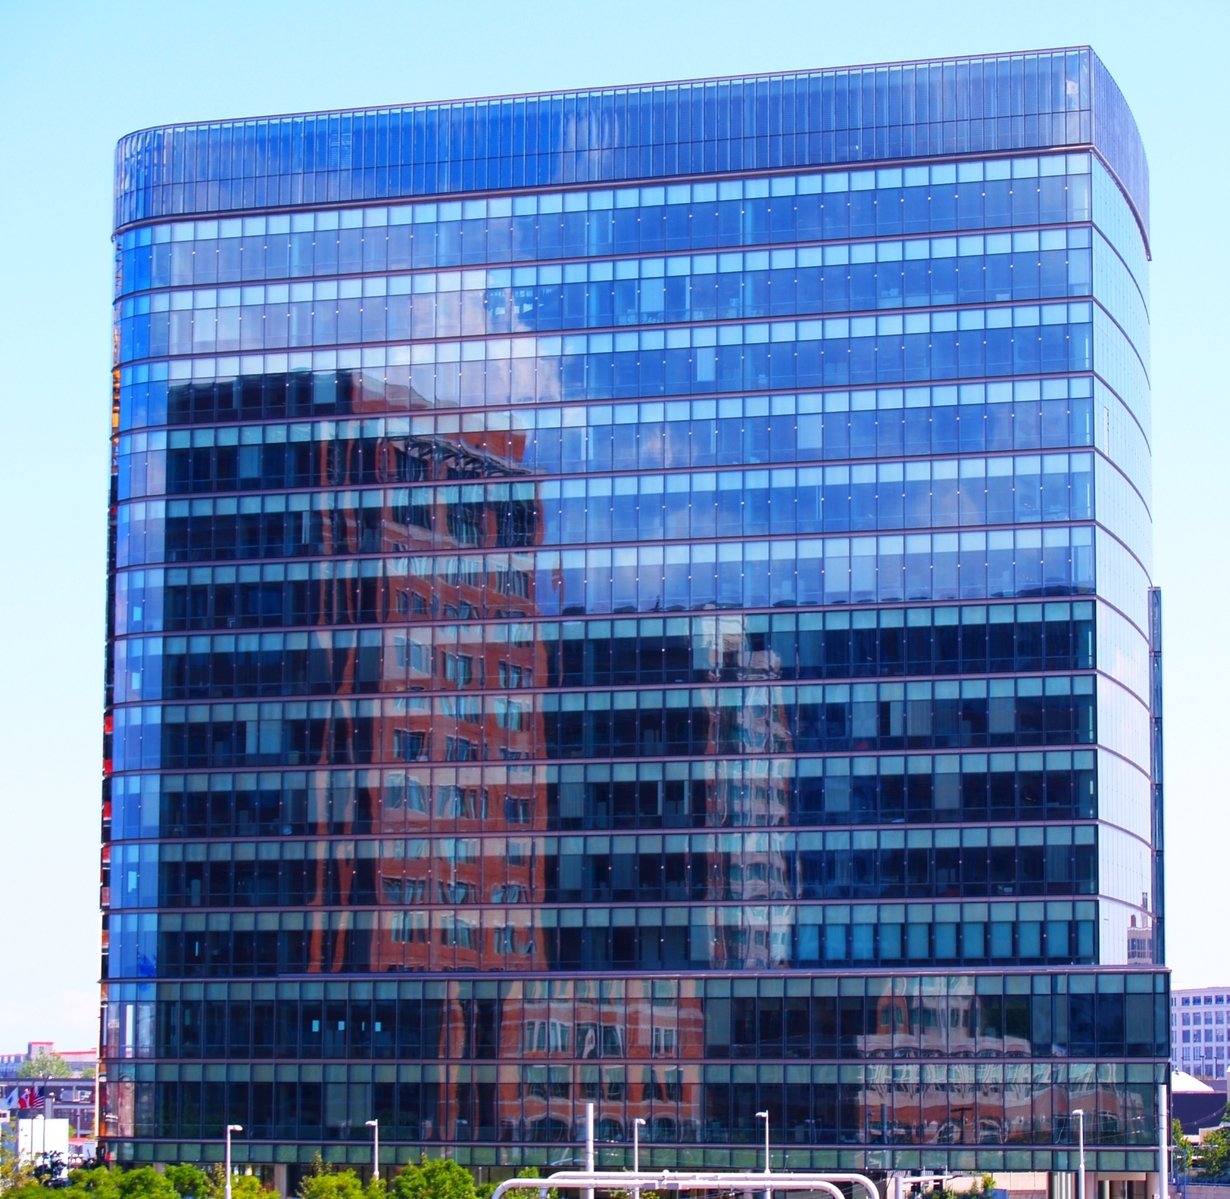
point(750, 789)
point(1140, 938)
point(1200, 1031)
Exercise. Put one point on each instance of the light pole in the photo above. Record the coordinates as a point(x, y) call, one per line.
point(637, 1124)
point(764, 1115)
point(1080, 1160)
point(230, 1128)
point(374, 1125)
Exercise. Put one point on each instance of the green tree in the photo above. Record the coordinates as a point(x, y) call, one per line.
point(14, 1172)
point(484, 1190)
point(248, 1186)
point(434, 1178)
point(27, 1189)
point(318, 1165)
point(243, 1186)
point(191, 1182)
point(1212, 1154)
point(331, 1184)
point(112, 1182)
point(94, 1182)
point(45, 1065)
point(1181, 1146)
point(982, 1185)
point(145, 1183)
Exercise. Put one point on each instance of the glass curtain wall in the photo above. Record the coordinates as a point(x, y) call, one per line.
point(638, 598)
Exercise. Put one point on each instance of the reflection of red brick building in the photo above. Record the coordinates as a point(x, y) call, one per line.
point(913, 1103)
point(452, 721)
point(459, 700)
point(970, 1078)
point(630, 1047)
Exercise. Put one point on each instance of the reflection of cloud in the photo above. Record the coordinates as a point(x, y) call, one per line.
point(590, 143)
point(69, 1018)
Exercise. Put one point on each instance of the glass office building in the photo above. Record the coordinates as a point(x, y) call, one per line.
point(639, 597)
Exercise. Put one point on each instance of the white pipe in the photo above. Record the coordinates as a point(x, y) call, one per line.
point(671, 1181)
point(1080, 1161)
point(1163, 1143)
point(589, 1145)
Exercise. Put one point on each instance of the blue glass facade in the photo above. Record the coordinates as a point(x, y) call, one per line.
point(639, 597)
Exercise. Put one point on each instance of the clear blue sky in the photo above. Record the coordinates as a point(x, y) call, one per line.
point(77, 74)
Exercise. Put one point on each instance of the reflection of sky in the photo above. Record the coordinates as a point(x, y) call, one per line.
point(833, 116)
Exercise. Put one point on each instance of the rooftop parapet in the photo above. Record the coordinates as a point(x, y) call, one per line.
point(1003, 103)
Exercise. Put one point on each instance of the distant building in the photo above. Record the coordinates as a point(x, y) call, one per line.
point(55, 1116)
point(1195, 1104)
point(52, 1101)
point(79, 1061)
point(1199, 1019)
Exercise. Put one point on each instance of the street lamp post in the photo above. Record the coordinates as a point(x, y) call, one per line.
point(230, 1128)
point(637, 1125)
point(1080, 1159)
point(765, 1117)
point(374, 1125)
